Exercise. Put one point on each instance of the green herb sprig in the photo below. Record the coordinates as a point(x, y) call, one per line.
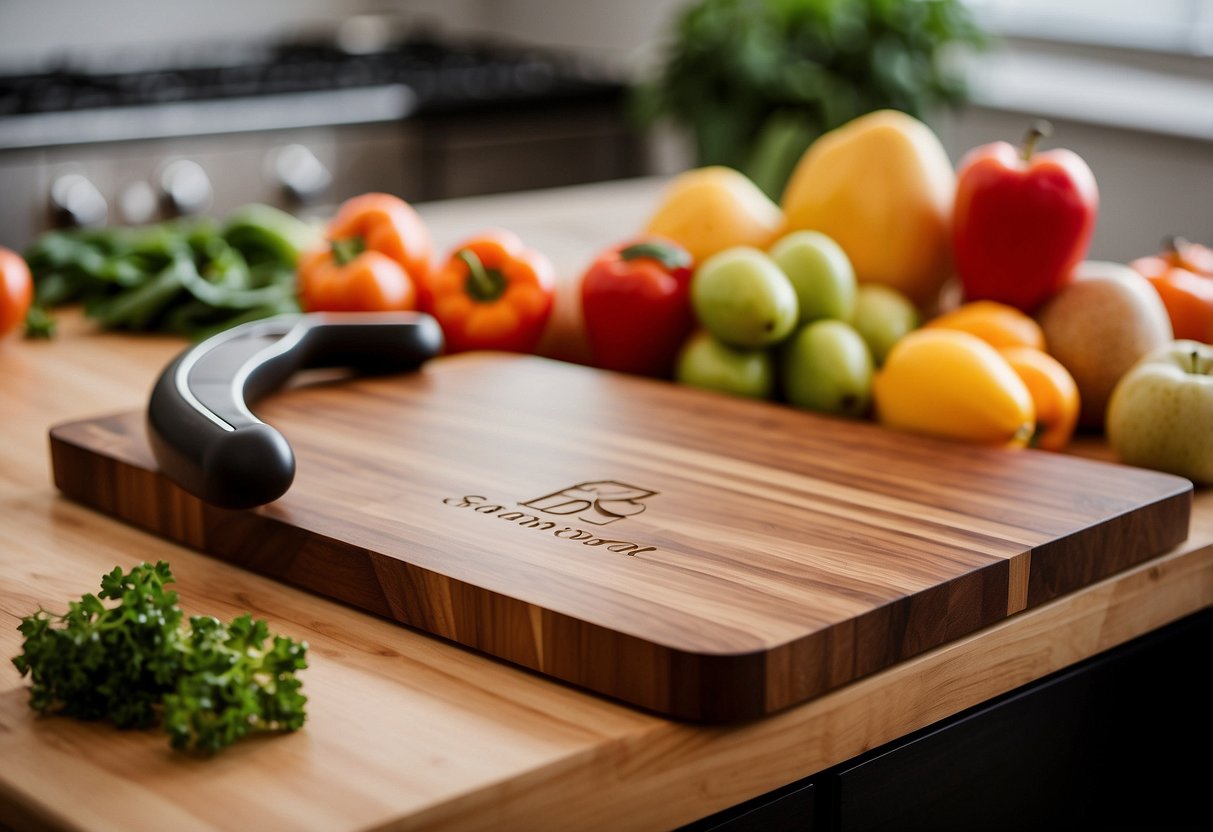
point(133, 663)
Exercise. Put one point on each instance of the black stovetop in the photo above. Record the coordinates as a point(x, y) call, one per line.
point(441, 75)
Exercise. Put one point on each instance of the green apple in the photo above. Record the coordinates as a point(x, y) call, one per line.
point(821, 274)
point(743, 298)
point(1161, 411)
point(706, 362)
point(827, 366)
point(882, 316)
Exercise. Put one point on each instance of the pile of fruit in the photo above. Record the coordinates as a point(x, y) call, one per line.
point(885, 284)
point(955, 302)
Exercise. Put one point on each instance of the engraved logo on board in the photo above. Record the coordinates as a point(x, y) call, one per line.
point(595, 503)
point(598, 502)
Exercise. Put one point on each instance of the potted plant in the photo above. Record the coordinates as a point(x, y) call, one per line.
point(755, 81)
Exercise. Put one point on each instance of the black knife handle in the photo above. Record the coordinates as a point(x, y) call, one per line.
point(200, 428)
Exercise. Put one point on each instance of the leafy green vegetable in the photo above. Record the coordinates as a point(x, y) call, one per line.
point(107, 662)
point(757, 80)
point(232, 685)
point(133, 663)
point(190, 277)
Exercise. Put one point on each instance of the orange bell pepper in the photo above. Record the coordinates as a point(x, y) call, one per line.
point(1183, 277)
point(998, 324)
point(368, 282)
point(1054, 394)
point(492, 293)
point(1184, 254)
point(378, 258)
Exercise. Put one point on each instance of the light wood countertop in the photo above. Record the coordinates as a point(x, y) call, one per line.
point(406, 731)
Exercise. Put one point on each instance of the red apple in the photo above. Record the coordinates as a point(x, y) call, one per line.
point(1022, 221)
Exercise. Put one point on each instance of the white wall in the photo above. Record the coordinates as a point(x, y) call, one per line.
point(626, 33)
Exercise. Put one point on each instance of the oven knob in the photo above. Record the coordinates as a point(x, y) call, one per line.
point(76, 202)
point(185, 187)
point(299, 173)
point(137, 203)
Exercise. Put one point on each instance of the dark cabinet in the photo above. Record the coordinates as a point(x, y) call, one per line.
point(785, 810)
point(1122, 741)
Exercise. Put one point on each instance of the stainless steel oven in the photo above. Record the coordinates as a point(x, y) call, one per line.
point(303, 126)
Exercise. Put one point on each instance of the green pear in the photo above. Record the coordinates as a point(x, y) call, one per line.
point(827, 367)
point(882, 317)
point(743, 298)
point(707, 363)
point(821, 274)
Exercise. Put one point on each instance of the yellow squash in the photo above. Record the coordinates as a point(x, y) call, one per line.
point(707, 210)
point(952, 384)
point(882, 187)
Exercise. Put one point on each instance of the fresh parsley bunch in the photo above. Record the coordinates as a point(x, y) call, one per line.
point(231, 684)
point(134, 663)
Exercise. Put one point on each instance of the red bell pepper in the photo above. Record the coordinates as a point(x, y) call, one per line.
point(1022, 221)
point(636, 304)
point(492, 293)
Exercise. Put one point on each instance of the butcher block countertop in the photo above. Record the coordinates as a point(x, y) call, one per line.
point(406, 730)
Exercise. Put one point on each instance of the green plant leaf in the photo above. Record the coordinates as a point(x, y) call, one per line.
point(781, 142)
point(731, 65)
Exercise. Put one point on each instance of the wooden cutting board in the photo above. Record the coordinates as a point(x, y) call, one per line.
point(703, 556)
